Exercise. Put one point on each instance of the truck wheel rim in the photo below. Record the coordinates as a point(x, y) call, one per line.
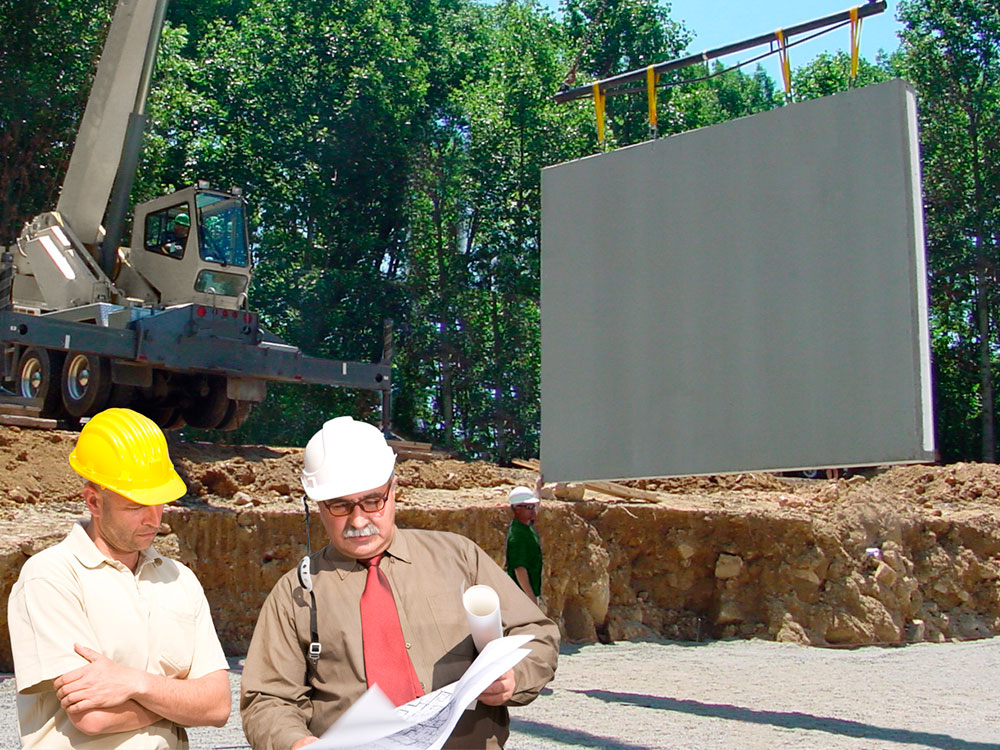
point(31, 379)
point(78, 377)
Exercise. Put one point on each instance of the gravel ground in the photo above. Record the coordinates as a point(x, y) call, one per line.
point(746, 695)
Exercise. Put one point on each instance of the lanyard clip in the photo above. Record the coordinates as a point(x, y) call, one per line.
point(314, 652)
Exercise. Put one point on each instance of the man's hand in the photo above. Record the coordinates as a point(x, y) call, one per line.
point(100, 684)
point(500, 691)
point(303, 742)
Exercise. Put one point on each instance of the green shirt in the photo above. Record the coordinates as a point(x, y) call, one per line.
point(524, 551)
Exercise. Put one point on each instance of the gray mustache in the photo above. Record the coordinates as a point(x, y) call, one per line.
point(369, 530)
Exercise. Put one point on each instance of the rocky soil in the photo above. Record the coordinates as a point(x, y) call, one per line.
point(904, 554)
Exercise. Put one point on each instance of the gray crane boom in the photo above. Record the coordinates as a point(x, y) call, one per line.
point(120, 84)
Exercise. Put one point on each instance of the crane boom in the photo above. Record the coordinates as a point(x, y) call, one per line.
point(118, 85)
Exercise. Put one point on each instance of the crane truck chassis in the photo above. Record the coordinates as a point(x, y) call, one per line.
point(194, 364)
point(162, 326)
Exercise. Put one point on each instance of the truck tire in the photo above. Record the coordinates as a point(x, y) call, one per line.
point(236, 414)
point(86, 384)
point(167, 417)
point(209, 405)
point(38, 377)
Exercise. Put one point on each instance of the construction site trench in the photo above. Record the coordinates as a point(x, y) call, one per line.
point(895, 555)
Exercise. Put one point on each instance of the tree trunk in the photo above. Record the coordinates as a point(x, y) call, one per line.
point(985, 359)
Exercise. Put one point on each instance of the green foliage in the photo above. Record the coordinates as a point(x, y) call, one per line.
point(47, 56)
point(951, 53)
point(828, 74)
point(615, 36)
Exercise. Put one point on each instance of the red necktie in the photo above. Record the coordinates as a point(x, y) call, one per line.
point(386, 660)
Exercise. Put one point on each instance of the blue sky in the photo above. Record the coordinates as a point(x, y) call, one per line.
point(715, 23)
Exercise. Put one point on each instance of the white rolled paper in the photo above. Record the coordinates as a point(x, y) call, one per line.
point(482, 608)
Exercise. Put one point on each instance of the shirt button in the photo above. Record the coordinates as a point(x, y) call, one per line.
point(407, 645)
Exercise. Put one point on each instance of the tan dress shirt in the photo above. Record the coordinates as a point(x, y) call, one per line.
point(285, 698)
point(156, 619)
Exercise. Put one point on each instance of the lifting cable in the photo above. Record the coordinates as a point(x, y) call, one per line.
point(570, 78)
point(599, 111)
point(786, 70)
point(855, 42)
point(651, 79)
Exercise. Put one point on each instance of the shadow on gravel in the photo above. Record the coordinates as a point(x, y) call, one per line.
point(570, 737)
point(792, 720)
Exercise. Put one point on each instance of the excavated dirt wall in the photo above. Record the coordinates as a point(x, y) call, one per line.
point(910, 554)
point(630, 572)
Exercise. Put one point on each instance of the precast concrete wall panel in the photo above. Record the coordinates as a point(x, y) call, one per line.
point(748, 296)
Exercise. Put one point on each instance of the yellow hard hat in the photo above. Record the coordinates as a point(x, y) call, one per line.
point(126, 452)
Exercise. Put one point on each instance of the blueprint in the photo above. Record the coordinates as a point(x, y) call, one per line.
point(373, 723)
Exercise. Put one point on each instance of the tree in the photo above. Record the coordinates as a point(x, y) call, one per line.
point(615, 36)
point(951, 53)
point(313, 107)
point(831, 73)
point(473, 269)
point(48, 56)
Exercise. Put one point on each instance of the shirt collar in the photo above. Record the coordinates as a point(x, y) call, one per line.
point(83, 547)
point(398, 548)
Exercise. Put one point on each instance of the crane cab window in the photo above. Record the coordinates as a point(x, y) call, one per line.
point(223, 229)
point(166, 231)
point(219, 282)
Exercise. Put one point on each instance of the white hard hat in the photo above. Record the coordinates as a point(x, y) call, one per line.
point(522, 496)
point(346, 457)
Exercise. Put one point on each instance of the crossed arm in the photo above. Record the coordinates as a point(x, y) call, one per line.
point(103, 697)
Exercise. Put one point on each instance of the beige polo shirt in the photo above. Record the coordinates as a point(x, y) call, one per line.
point(156, 619)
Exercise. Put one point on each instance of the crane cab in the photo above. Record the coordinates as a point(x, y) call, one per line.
point(192, 247)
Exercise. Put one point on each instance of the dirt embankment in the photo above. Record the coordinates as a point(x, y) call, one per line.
point(908, 554)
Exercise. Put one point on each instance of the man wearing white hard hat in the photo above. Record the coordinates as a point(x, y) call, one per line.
point(524, 551)
point(378, 605)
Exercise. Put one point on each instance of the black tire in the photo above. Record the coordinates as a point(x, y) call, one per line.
point(236, 414)
point(167, 417)
point(86, 384)
point(122, 396)
point(209, 404)
point(38, 377)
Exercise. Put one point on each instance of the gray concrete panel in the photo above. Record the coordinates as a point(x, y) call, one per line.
point(745, 296)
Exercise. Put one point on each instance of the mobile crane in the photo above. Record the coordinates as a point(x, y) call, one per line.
point(162, 326)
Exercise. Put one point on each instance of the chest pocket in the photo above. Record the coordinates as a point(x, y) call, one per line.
point(456, 642)
point(177, 631)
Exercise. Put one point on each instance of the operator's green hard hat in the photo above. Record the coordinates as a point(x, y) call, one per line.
point(183, 220)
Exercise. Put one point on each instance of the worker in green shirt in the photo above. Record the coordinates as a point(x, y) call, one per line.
point(524, 551)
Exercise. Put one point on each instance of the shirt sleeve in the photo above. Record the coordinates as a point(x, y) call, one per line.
point(208, 654)
point(274, 702)
point(45, 619)
point(521, 616)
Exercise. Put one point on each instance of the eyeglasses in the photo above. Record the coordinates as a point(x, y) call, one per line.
point(341, 507)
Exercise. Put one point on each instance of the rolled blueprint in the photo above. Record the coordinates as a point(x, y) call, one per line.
point(482, 608)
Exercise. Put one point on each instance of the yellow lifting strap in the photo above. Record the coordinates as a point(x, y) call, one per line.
point(786, 71)
point(855, 41)
point(651, 78)
point(599, 110)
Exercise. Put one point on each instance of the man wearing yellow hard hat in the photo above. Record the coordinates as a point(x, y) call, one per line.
point(113, 644)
